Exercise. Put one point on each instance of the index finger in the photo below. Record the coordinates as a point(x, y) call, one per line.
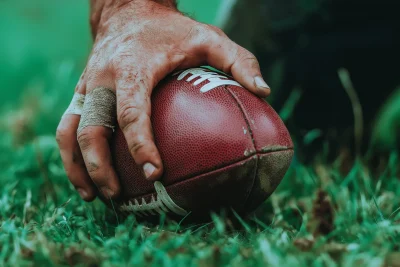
point(133, 112)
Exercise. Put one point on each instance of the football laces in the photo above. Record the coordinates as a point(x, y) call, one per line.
point(162, 203)
point(214, 79)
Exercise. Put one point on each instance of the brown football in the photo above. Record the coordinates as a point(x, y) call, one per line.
point(221, 146)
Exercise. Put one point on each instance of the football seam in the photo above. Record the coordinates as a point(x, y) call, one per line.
point(252, 152)
point(239, 104)
point(211, 171)
point(244, 115)
point(246, 158)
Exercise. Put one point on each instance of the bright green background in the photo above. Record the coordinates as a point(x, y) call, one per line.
point(202, 10)
point(44, 48)
point(44, 38)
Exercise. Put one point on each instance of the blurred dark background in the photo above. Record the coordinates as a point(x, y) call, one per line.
point(332, 65)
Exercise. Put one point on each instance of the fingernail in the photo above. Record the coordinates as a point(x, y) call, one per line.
point(107, 192)
point(148, 169)
point(261, 84)
point(82, 193)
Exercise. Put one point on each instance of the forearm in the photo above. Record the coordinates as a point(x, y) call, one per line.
point(97, 7)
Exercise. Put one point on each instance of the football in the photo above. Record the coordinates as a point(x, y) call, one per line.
point(222, 148)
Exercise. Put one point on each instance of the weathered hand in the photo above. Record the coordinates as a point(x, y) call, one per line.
point(137, 44)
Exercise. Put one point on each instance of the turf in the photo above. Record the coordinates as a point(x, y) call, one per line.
point(338, 214)
point(317, 217)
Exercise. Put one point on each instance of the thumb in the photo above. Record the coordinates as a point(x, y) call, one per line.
point(224, 54)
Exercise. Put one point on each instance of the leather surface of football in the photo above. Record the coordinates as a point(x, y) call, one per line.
point(221, 146)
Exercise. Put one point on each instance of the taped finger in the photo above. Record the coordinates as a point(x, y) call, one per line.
point(99, 109)
point(69, 149)
point(98, 119)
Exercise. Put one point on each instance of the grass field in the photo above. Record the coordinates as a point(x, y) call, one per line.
point(318, 217)
point(321, 214)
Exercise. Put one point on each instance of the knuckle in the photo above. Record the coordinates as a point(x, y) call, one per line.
point(62, 133)
point(214, 34)
point(202, 34)
point(200, 28)
point(142, 78)
point(216, 30)
point(245, 54)
point(85, 139)
point(128, 114)
point(59, 136)
point(93, 168)
point(197, 33)
point(248, 58)
point(252, 62)
point(122, 61)
point(117, 60)
point(135, 146)
point(95, 70)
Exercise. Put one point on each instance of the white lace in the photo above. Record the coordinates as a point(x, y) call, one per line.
point(161, 204)
point(215, 79)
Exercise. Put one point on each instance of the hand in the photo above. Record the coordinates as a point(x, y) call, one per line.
point(137, 44)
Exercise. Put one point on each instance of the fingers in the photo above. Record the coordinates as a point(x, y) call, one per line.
point(72, 158)
point(246, 70)
point(133, 112)
point(94, 144)
point(71, 154)
point(231, 58)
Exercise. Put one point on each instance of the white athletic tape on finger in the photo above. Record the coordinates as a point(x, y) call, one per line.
point(99, 109)
point(76, 105)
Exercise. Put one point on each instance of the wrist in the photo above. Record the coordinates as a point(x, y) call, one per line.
point(98, 7)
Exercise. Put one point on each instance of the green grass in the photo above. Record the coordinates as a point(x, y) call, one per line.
point(318, 217)
point(321, 215)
